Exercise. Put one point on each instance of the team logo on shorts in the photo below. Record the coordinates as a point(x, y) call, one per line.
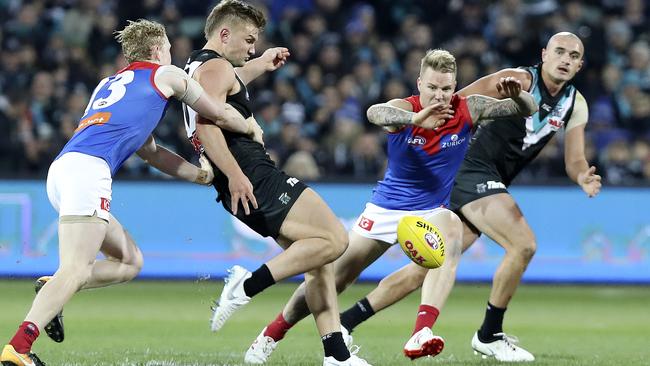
point(105, 204)
point(483, 187)
point(284, 198)
point(366, 224)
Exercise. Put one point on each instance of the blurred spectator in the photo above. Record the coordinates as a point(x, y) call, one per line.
point(344, 57)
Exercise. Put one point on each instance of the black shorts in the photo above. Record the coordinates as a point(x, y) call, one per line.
point(475, 180)
point(275, 192)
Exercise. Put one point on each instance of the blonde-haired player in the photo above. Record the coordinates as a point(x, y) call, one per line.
point(499, 151)
point(428, 135)
point(123, 111)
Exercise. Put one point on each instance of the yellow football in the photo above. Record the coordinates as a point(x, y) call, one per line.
point(421, 241)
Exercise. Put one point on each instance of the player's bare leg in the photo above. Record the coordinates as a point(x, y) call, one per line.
point(122, 263)
point(360, 254)
point(397, 286)
point(315, 234)
point(123, 258)
point(499, 217)
point(80, 238)
point(312, 237)
point(436, 288)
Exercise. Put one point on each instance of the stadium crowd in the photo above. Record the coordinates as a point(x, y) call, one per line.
point(345, 56)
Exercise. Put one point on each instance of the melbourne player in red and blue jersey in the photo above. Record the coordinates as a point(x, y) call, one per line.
point(123, 111)
point(428, 135)
point(422, 162)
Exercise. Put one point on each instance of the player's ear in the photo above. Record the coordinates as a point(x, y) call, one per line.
point(419, 83)
point(224, 34)
point(155, 52)
point(543, 54)
point(582, 62)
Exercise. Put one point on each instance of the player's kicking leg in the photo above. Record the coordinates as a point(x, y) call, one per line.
point(360, 254)
point(394, 288)
point(436, 288)
point(499, 217)
point(313, 236)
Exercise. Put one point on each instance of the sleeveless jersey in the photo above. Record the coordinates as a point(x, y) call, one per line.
point(506, 146)
point(123, 111)
point(247, 152)
point(422, 163)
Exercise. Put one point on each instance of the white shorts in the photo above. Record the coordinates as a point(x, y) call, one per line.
point(80, 185)
point(381, 224)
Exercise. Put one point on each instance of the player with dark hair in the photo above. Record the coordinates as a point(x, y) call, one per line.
point(283, 207)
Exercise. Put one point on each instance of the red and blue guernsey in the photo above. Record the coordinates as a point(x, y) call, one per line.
point(123, 111)
point(422, 163)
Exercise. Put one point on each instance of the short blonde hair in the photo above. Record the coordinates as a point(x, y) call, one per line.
point(233, 10)
point(439, 60)
point(138, 37)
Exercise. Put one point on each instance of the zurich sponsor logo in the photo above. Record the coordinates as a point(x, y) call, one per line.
point(416, 140)
point(452, 141)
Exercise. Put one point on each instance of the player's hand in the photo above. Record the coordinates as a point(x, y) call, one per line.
point(509, 87)
point(241, 189)
point(589, 181)
point(257, 134)
point(206, 174)
point(433, 116)
point(275, 58)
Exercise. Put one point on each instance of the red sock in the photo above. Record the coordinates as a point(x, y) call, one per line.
point(427, 316)
point(25, 336)
point(278, 328)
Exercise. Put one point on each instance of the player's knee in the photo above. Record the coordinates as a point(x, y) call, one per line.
point(525, 250)
point(138, 260)
point(417, 279)
point(342, 282)
point(77, 276)
point(134, 266)
point(338, 243)
point(454, 239)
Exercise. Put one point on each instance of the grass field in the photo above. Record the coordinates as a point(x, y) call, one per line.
point(166, 323)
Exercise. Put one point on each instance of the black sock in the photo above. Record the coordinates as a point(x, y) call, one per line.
point(259, 281)
point(357, 314)
point(492, 323)
point(335, 347)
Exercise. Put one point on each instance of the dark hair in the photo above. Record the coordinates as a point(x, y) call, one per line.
point(233, 10)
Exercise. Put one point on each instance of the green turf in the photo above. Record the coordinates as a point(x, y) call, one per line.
point(166, 323)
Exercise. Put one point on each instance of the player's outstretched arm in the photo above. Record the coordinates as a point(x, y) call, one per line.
point(174, 82)
point(519, 103)
point(271, 60)
point(487, 85)
point(575, 162)
point(170, 163)
point(398, 112)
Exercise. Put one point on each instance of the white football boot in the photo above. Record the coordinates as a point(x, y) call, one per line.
point(423, 343)
point(504, 349)
point(260, 351)
point(347, 337)
point(232, 297)
point(354, 360)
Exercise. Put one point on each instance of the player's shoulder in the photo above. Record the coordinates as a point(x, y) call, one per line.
point(216, 67)
point(579, 97)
